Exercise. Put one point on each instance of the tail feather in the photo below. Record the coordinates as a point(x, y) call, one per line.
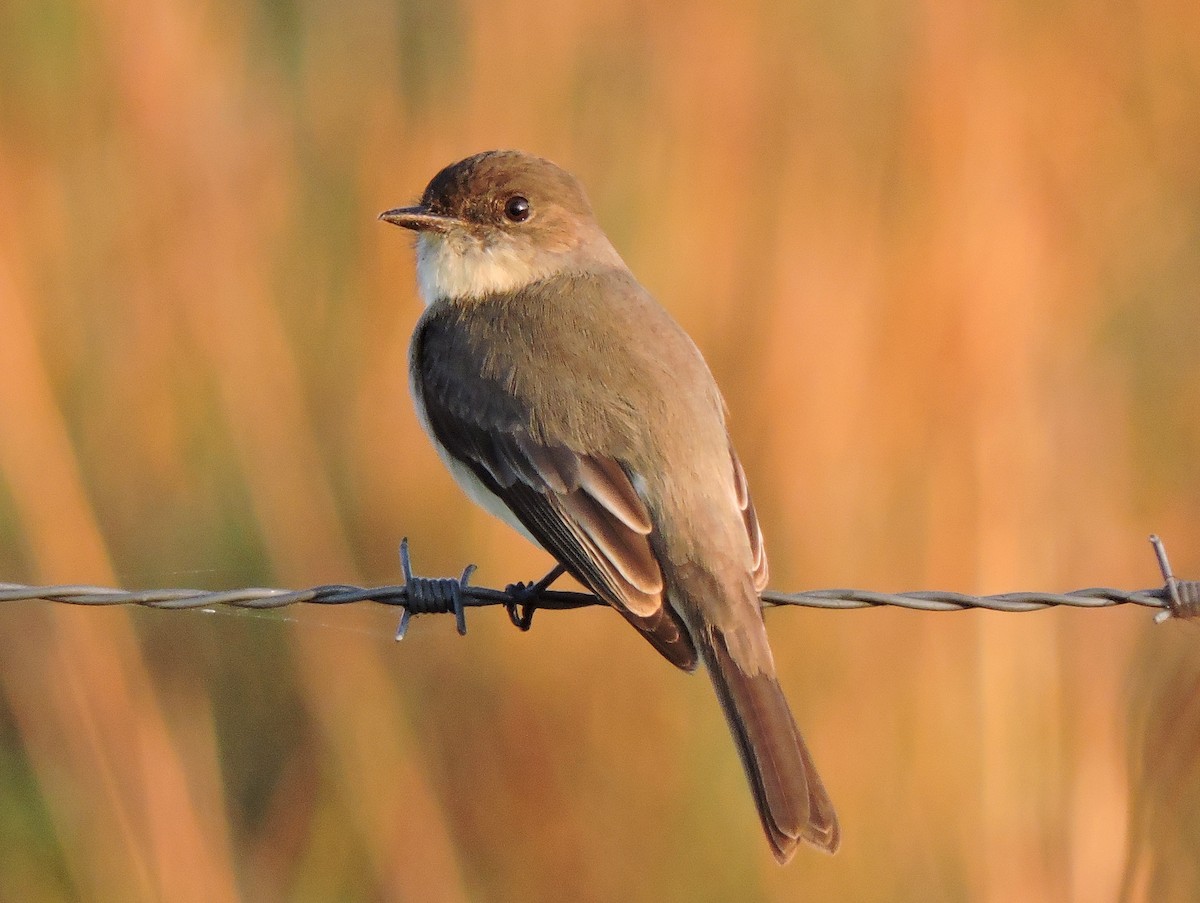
point(791, 799)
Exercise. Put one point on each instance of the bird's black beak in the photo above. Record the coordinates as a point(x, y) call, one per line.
point(419, 218)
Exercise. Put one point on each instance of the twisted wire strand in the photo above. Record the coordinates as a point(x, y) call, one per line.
point(424, 602)
point(418, 595)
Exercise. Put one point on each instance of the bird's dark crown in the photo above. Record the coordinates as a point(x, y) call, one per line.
point(487, 189)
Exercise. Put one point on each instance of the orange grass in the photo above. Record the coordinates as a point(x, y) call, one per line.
point(944, 261)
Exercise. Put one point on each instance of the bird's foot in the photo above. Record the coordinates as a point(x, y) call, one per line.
point(524, 596)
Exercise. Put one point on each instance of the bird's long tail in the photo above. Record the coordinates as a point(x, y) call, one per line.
point(791, 799)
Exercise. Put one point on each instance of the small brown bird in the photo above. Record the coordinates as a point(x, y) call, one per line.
point(568, 403)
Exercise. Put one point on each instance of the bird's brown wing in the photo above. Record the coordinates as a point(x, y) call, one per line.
point(582, 508)
point(757, 549)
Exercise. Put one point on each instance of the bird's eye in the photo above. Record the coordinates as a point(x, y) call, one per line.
point(516, 209)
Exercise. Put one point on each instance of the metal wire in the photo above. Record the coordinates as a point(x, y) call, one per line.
point(1176, 598)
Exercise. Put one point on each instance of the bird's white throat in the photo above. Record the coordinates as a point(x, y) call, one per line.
point(451, 266)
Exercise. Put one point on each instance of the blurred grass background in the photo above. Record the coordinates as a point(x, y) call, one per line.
point(945, 262)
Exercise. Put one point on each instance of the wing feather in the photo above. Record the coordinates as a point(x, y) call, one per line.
point(605, 481)
point(757, 548)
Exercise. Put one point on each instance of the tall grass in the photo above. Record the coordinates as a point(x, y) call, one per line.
point(945, 261)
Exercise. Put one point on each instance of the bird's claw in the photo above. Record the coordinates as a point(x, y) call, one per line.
point(521, 596)
point(525, 595)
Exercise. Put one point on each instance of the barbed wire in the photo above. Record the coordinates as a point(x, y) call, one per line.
point(423, 595)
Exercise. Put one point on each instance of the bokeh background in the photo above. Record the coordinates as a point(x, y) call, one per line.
point(944, 260)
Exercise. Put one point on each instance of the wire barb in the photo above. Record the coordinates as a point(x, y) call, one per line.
point(1183, 596)
point(432, 595)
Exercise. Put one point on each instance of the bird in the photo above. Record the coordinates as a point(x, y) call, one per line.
point(565, 400)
